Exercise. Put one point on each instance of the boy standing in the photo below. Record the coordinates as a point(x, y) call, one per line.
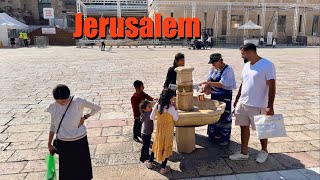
point(136, 99)
point(145, 108)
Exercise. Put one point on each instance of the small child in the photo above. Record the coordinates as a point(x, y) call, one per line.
point(165, 112)
point(145, 109)
point(274, 43)
point(136, 99)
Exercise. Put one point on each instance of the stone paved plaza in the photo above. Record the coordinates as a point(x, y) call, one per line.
point(28, 76)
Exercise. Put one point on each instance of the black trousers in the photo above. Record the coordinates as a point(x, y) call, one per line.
point(25, 42)
point(146, 141)
point(103, 46)
point(137, 128)
point(74, 160)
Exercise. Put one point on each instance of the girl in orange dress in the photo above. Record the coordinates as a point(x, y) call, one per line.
point(165, 113)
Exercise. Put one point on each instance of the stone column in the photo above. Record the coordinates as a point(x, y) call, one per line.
point(216, 24)
point(275, 24)
point(295, 24)
point(263, 19)
point(228, 22)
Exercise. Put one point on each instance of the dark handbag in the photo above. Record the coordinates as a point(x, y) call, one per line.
point(55, 142)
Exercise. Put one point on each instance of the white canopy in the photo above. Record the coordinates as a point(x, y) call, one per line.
point(6, 23)
point(11, 23)
point(250, 25)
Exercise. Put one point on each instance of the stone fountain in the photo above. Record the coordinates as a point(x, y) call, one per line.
point(192, 112)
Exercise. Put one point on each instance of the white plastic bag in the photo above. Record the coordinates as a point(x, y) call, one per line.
point(269, 126)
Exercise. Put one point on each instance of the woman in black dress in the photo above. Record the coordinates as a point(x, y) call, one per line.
point(172, 74)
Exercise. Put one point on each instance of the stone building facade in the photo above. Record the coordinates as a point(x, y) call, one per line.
point(30, 11)
point(216, 16)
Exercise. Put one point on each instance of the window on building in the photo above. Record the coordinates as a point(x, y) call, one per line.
point(258, 20)
point(282, 24)
point(171, 14)
point(205, 19)
point(236, 21)
point(43, 4)
point(300, 23)
point(315, 25)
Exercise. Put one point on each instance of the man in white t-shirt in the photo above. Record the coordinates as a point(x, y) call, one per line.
point(256, 96)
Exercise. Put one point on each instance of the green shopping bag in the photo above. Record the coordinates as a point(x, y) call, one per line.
point(51, 167)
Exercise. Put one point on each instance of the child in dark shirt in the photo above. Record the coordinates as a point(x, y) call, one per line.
point(136, 99)
point(145, 108)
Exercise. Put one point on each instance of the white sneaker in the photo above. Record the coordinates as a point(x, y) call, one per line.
point(262, 156)
point(238, 156)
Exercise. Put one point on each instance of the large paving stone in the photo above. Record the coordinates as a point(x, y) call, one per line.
point(213, 167)
point(5, 120)
point(106, 123)
point(311, 173)
point(13, 176)
point(4, 136)
point(4, 155)
point(299, 136)
point(3, 146)
point(111, 131)
point(29, 154)
point(315, 143)
point(292, 174)
point(100, 160)
point(124, 158)
point(35, 176)
point(11, 167)
point(116, 172)
point(94, 132)
point(2, 128)
point(290, 147)
point(97, 140)
point(315, 134)
point(296, 160)
point(24, 145)
point(313, 126)
point(273, 175)
point(250, 176)
point(314, 154)
point(28, 128)
point(298, 120)
point(110, 148)
point(20, 137)
point(250, 166)
point(295, 128)
point(35, 166)
point(122, 138)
